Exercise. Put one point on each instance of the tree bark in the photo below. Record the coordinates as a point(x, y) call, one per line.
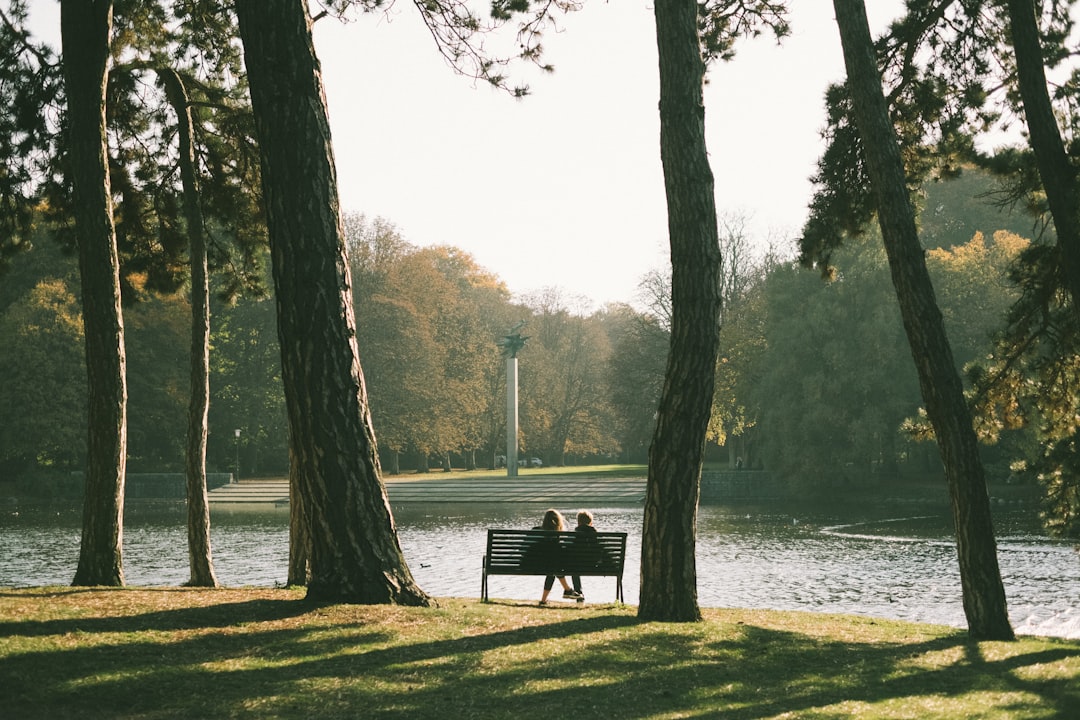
point(1056, 171)
point(939, 381)
point(86, 27)
point(200, 558)
point(355, 554)
point(669, 536)
point(299, 537)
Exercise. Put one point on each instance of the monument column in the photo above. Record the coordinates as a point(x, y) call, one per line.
point(511, 344)
point(511, 417)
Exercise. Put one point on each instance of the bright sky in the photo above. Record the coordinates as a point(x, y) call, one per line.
point(564, 188)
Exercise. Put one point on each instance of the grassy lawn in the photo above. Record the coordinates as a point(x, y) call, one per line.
point(266, 653)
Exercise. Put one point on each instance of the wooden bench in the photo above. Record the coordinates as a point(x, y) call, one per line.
point(545, 552)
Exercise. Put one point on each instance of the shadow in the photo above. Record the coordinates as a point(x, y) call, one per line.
point(504, 659)
point(217, 615)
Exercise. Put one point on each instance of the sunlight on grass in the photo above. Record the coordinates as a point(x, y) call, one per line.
point(179, 653)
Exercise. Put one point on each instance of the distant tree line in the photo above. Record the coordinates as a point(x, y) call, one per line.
point(813, 383)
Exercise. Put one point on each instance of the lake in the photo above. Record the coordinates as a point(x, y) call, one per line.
point(876, 561)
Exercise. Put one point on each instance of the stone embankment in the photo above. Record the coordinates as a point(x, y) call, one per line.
point(585, 491)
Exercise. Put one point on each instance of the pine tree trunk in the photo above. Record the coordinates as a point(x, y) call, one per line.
point(355, 554)
point(1057, 172)
point(299, 537)
point(86, 26)
point(939, 381)
point(669, 535)
point(200, 558)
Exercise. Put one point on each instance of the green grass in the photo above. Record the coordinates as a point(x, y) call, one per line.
point(266, 653)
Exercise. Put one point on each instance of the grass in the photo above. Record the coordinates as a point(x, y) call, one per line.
point(267, 653)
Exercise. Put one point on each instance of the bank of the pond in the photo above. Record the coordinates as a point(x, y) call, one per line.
point(866, 561)
point(186, 653)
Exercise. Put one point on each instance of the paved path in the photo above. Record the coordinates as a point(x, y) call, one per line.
point(548, 489)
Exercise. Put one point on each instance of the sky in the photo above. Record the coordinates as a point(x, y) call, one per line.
point(564, 188)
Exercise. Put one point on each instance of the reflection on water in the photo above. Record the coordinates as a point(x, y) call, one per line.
point(872, 564)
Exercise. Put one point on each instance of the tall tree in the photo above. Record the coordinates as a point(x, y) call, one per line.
point(669, 535)
point(355, 554)
point(688, 34)
point(983, 592)
point(1056, 169)
point(198, 507)
point(85, 27)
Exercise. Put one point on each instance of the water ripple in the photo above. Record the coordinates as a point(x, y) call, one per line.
point(902, 568)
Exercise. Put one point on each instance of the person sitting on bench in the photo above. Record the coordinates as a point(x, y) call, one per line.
point(584, 534)
point(553, 521)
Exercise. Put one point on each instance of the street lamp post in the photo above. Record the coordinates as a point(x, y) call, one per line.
point(236, 475)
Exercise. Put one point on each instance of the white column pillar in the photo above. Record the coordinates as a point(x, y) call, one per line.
point(511, 417)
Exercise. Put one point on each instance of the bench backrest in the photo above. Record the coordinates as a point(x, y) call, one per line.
point(557, 553)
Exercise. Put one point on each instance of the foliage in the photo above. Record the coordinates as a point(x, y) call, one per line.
point(837, 352)
point(465, 37)
point(42, 397)
point(564, 398)
point(175, 654)
point(29, 82)
point(247, 391)
point(425, 330)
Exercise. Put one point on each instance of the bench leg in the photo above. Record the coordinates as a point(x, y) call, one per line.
point(483, 582)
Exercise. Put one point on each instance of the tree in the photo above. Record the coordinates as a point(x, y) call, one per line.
point(29, 80)
point(563, 394)
point(41, 410)
point(198, 506)
point(85, 28)
point(983, 592)
point(636, 377)
point(835, 351)
point(668, 568)
point(685, 39)
point(1056, 170)
point(957, 71)
point(355, 554)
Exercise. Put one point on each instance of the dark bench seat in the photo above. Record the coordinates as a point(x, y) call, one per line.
point(545, 552)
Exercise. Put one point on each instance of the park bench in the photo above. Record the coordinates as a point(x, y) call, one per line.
point(545, 552)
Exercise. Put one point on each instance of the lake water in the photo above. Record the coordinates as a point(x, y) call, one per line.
point(868, 561)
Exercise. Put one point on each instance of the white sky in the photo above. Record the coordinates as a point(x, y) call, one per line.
point(564, 188)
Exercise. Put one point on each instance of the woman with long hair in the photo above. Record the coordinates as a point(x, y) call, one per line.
point(553, 521)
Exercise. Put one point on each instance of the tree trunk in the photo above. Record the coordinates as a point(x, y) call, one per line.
point(299, 536)
point(200, 558)
point(1055, 169)
point(942, 390)
point(669, 535)
point(355, 554)
point(86, 26)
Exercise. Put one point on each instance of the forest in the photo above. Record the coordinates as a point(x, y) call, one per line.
point(815, 383)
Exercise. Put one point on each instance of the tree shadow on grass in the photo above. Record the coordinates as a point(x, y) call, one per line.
point(216, 615)
point(335, 664)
